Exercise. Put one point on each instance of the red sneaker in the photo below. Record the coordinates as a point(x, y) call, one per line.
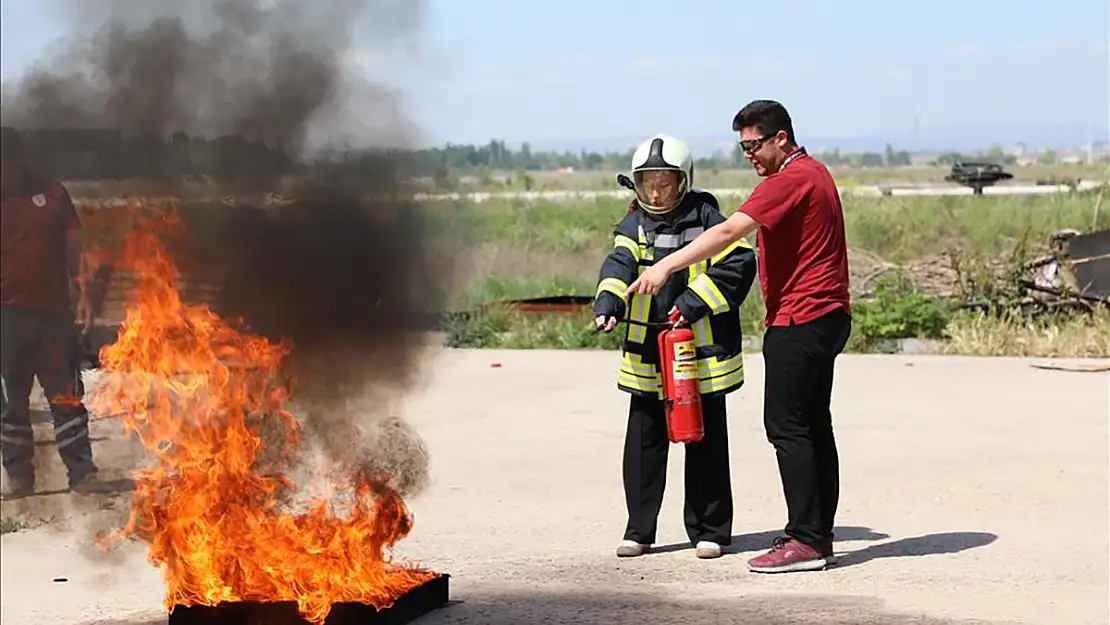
point(789, 555)
point(825, 548)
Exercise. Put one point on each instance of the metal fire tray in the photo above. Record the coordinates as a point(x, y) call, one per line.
point(412, 605)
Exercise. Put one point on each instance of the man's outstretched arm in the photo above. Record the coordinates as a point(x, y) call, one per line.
point(710, 243)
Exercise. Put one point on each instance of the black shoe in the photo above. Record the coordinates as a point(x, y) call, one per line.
point(93, 485)
point(18, 487)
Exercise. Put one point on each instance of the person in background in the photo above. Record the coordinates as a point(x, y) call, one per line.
point(40, 257)
point(804, 276)
point(667, 215)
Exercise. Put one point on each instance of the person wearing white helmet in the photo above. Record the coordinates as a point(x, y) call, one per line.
point(799, 221)
point(665, 216)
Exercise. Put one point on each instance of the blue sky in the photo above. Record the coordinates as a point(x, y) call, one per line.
point(575, 69)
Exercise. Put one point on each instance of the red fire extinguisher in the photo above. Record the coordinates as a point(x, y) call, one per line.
point(678, 364)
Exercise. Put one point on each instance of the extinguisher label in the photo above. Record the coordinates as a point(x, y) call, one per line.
point(684, 350)
point(685, 370)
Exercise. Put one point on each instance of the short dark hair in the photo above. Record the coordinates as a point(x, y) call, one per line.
point(768, 116)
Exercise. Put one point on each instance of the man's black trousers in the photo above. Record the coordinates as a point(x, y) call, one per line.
point(799, 362)
point(708, 507)
point(43, 344)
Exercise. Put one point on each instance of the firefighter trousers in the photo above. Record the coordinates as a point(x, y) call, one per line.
point(708, 505)
point(43, 344)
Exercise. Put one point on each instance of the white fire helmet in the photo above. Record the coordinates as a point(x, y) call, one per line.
point(662, 152)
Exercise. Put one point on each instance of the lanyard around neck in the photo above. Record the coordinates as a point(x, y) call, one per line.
point(793, 155)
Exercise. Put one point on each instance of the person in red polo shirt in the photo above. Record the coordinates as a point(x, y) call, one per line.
point(803, 271)
point(40, 252)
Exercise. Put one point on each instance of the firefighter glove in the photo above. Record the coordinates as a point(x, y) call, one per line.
point(609, 305)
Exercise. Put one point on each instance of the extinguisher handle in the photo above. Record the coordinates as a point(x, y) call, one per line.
point(646, 324)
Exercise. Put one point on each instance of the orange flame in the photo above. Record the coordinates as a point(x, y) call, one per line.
point(197, 393)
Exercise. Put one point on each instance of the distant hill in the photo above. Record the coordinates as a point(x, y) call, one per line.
point(969, 137)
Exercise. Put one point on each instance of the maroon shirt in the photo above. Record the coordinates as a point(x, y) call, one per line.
point(33, 227)
point(803, 257)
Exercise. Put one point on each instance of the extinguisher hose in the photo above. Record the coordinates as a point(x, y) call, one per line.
point(704, 351)
point(646, 324)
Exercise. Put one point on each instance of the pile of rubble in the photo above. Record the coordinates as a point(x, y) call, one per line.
point(1073, 275)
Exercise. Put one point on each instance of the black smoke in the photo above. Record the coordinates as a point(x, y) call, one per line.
point(262, 70)
point(341, 269)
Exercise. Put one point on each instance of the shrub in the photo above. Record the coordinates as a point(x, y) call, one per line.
point(898, 311)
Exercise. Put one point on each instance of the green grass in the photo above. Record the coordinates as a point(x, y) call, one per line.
point(9, 525)
point(745, 178)
point(515, 249)
point(905, 228)
point(891, 227)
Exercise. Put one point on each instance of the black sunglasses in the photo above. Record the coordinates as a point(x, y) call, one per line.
point(751, 145)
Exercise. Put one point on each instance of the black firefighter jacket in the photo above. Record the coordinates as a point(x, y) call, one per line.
point(708, 294)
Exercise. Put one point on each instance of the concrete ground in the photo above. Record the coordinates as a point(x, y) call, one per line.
point(973, 490)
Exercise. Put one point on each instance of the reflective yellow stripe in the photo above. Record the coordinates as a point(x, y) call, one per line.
point(644, 383)
point(714, 375)
point(635, 374)
point(723, 382)
point(650, 383)
point(696, 269)
point(701, 331)
point(616, 286)
point(622, 241)
point(640, 307)
point(704, 287)
point(641, 302)
point(646, 252)
point(730, 249)
point(634, 364)
point(713, 367)
point(635, 385)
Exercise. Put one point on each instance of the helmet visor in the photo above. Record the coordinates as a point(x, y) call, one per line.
point(659, 190)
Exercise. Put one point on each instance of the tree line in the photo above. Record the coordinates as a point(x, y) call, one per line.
point(108, 154)
point(497, 156)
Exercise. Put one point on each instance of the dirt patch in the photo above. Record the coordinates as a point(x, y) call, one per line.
point(52, 504)
point(935, 274)
point(115, 453)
